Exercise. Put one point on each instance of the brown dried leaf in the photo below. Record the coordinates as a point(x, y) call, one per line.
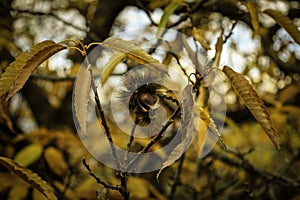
point(253, 102)
point(29, 176)
point(18, 72)
point(285, 23)
point(81, 96)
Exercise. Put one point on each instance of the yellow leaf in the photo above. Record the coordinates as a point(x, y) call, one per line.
point(37, 195)
point(56, 161)
point(18, 192)
point(138, 187)
point(87, 188)
point(285, 23)
point(204, 137)
point(68, 193)
point(29, 154)
point(201, 137)
point(10, 180)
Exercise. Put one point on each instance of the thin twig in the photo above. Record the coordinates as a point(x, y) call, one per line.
point(159, 135)
point(124, 190)
point(155, 139)
point(240, 161)
point(51, 15)
point(188, 14)
point(146, 10)
point(230, 32)
point(130, 141)
point(102, 120)
point(68, 181)
point(131, 137)
point(98, 179)
point(66, 78)
point(105, 125)
point(178, 62)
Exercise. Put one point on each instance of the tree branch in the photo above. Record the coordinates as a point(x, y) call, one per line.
point(20, 11)
point(240, 162)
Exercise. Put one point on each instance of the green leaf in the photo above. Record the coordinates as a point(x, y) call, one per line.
point(169, 10)
point(285, 23)
point(18, 72)
point(29, 154)
point(29, 176)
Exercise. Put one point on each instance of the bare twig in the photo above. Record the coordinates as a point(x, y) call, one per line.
point(146, 10)
point(240, 161)
point(105, 125)
point(51, 15)
point(178, 62)
point(106, 185)
point(159, 135)
point(102, 120)
point(195, 7)
point(230, 32)
point(155, 139)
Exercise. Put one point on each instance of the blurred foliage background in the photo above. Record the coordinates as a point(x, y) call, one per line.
point(37, 128)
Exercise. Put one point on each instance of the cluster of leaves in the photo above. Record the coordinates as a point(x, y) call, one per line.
point(49, 161)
